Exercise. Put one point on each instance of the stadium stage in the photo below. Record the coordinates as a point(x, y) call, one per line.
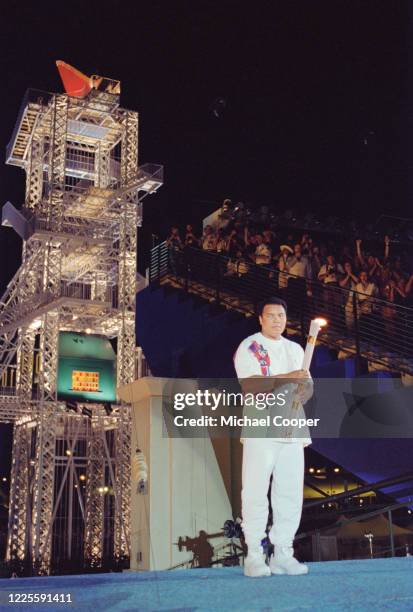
point(380, 584)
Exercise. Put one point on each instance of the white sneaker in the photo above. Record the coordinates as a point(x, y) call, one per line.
point(284, 562)
point(255, 566)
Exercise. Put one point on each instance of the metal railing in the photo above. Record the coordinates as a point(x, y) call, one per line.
point(369, 327)
point(389, 509)
point(376, 486)
point(31, 96)
point(347, 496)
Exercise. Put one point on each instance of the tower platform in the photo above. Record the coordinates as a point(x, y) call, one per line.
point(380, 584)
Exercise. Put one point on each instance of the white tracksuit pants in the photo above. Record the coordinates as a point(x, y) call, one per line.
point(285, 461)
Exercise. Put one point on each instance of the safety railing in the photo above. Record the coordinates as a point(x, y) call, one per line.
point(367, 326)
point(92, 291)
point(32, 96)
point(361, 515)
point(360, 490)
point(364, 516)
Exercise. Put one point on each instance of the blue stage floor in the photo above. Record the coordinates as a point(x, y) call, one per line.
point(382, 584)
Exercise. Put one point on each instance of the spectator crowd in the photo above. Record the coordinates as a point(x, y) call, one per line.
point(373, 276)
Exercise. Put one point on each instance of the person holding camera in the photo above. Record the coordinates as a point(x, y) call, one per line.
point(330, 272)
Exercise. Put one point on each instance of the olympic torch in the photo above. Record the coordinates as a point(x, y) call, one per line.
point(315, 326)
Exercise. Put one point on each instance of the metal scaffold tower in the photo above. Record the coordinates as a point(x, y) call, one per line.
point(83, 205)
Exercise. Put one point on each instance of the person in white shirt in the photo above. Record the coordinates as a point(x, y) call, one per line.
point(299, 270)
point(349, 282)
point(259, 360)
point(366, 292)
point(286, 252)
point(262, 252)
point(331, 272)
point(298, 264)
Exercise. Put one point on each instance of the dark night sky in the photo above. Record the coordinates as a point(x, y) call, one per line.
point(305, 82)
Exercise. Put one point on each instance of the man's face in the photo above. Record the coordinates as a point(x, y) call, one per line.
point(273, 321)
point(363, 277)
point(297, 250)
point(258, 239)
point(330, 260)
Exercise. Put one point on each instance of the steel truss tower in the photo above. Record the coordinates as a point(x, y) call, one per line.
point(83, 204)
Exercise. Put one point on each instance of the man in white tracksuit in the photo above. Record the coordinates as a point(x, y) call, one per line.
point(267, 355)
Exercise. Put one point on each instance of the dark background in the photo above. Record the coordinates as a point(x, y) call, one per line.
point(316, 98)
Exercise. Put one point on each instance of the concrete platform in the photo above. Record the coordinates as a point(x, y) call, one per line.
point(382, 584)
